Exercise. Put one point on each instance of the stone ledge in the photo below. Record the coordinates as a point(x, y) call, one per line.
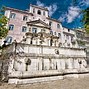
point(44, 79)
point(47, 73)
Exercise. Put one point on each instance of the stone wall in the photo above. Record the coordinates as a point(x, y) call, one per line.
point(32, 61)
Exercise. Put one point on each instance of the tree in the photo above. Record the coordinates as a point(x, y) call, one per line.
point(86, 19)
point(3, 23)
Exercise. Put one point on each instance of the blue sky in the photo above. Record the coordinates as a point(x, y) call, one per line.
point(63, 10)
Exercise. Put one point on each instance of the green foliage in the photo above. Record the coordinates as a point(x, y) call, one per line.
point(85, 19)
point(81, 43)
point(3, 23)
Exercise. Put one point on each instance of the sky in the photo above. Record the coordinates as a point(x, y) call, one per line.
point(63, 10)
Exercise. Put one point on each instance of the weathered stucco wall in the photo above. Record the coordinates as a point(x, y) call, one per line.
point(31, 61)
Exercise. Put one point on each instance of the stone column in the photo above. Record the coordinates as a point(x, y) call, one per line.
point(70, 63)
point(49, 40)
point(38, 41)
point(28, 40)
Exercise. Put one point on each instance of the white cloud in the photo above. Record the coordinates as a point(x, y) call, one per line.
point(62, 17)
point(40, 4)
point(84, 3)
point(52, 8)
point(71, 14)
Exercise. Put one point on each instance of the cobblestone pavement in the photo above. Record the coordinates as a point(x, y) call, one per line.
point(80, 83)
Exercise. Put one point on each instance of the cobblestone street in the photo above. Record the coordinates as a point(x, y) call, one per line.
point(80, 83)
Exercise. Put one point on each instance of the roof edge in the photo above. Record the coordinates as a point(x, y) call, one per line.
point(14, 9)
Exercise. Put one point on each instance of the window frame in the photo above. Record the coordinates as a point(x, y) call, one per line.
point(34, 30)
point(33, 10)
point(43, 13)
point(24, 28)
point(12, 15)
point(39, 12)
point(50, 23)
point(25, 18)
point(9, 39)
point(58, 25)
point(11, 27)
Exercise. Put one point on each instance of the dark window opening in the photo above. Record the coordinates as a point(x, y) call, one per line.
point(44, 13)
point(68, 30)
point(39, 12)
point(33, 10)
point(56, 66)
point(25, 18)
point(24, 29)
point(51, 32)
point(42, 30)
point(28, 63)
point(11, 27)
point(8, 39)
point(34, 30)
point(58, 25)
point(51, 41)
point(54, 33)
point(59, 35)
point(12, 15)
point(50, 23)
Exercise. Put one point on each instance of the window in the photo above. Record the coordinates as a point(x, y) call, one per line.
point(51, 32)
point(34, 30)
point(55, 33)
point(42, 30)
point(68, 30)
point(44, 13)
point(12, 15)
point(67, 36)
point(24, 18)
point(11, 27)
point(8, 39)
point(39, 12)
point(24, 29)
point(58, 25)
point(33, 10)
point(59, 35)
point(50, 23)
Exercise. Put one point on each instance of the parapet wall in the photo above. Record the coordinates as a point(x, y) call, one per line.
point(32, 62)
point(50, 50)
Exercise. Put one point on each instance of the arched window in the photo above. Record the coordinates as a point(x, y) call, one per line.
point(39, 12)
point(58, 25)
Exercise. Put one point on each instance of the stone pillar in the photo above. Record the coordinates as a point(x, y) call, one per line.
point(70, 63)
point(28, 40)
point(62, 63)
point(38, 41)
point(76, 63)
point(49, 40)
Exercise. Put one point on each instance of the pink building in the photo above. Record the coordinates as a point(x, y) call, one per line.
point(18, 19)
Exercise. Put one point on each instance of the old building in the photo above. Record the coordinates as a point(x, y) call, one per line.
point(39, 57)
point(87, 47)
point(18, 20)
point(41, 49)
point(80, 35)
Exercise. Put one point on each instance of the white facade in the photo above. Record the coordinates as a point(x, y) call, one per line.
point(47, 51)
point(39, 58)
